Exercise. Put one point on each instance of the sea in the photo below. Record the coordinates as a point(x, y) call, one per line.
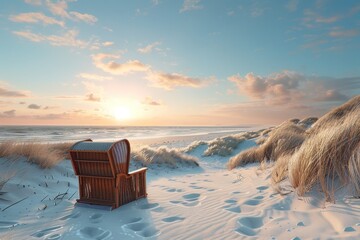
point(107, 133)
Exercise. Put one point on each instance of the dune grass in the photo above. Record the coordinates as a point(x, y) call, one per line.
point(222, 146)
point(172, 158)
point(323, 152)
point(46, 155)
point(280, 141)
point(332, 153)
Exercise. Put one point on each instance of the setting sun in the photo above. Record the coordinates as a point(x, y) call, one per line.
point(122, 113)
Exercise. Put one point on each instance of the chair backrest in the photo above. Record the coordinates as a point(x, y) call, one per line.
point(105, 159)
point(120, 153)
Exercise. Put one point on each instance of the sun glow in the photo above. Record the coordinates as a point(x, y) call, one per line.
point(122, 113)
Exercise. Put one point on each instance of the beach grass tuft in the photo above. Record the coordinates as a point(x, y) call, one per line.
point(172, 158)
point(46, 155)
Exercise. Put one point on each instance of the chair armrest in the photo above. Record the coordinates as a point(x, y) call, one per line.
point(138, 171)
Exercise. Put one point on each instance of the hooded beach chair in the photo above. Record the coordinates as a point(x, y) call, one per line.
point(103, 171)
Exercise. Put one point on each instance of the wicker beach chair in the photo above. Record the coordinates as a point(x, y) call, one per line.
point(103, 171)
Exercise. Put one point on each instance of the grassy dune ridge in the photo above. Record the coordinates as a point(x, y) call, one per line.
point(326, 153)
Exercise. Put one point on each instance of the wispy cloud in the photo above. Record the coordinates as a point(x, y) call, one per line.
point(96, 77)
point(107, 43)
point(169, 81)
point(190, 5)
point(59, 8)
point(292, 5)
point(88, 18)
point(69, 39)
point(33, 2)
point(36, 17)
point(115, 68)
point(313, 19)
point(149, 48)
point(7, 114)
point(151, 102)
point(328, 19)
point(34, 106)
point(344, 33)
point(92, 98)
point(11, 93)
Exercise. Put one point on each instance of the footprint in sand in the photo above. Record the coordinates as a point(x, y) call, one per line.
point(235, 209)
point(190, 200)
point(148, 206)
point(248, 225)
point(133, 220)
point(142, 229)
point(261, 188)
point(45, 232)
point(252, 202)
point(6, 224)
point(172, 219)
point(93, 233)
point(230, 201)
point(95, 218)
point(192, 197)
point(349, 229)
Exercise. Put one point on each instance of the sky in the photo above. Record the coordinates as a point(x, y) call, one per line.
point(176, 62)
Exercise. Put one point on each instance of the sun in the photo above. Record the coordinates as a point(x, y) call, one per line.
point(122, 113)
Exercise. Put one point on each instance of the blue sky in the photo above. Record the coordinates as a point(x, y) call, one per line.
point(167, 62)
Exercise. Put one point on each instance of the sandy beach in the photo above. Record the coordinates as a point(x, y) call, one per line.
point(206, 202)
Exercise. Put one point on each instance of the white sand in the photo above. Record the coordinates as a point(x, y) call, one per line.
point(209, 202)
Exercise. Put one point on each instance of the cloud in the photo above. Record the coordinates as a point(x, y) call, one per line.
point(107, 44)
point(344, 33)
point(332, 95)
point(276, 85)
point(151, 102)
point(312, 19)
point(292, 5)
point(291, 88)
point(34, 106)
point(190, 5)
point(88, 18)
point(117, 68)
point(96, 77)
point(33, 2)
point(92, 98)
point(58, 8)
point(36, 17)
point(6, 114)
point(67, 97)
point(148, 48)
point(69, 39)
point(327, 20)
point(169, 81)
point(9, 93)
point(155, 2)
